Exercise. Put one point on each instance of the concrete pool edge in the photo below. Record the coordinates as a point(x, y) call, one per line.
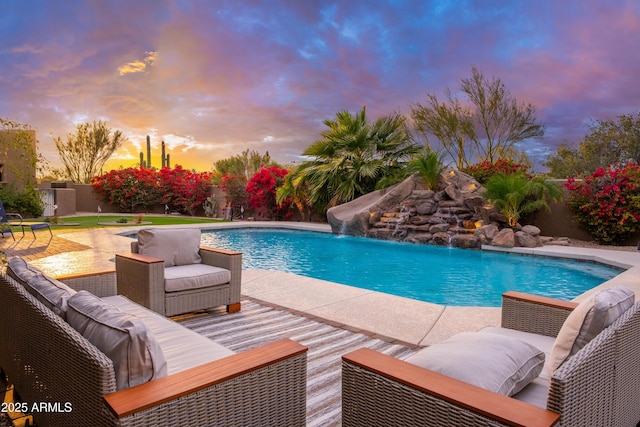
point(411, 321)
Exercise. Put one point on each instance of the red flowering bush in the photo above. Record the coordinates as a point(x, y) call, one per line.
point(235, 188)
point(130, 188)
point(482, 171)
point(261, 190)
point(607, 203)
point(184, 190)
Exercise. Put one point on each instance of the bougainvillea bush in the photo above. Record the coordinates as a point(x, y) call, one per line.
point(482, 171)
point(261, 190)
point(130, 188)
point(607, 203)
point(235, 188)
point(184, 190)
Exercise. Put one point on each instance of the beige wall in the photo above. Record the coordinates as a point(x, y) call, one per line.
point(87, 201)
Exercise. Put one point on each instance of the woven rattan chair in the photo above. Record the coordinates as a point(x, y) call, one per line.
point(598, 386)
point(142, 279)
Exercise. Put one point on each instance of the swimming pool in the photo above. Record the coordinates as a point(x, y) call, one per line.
point(436, 274)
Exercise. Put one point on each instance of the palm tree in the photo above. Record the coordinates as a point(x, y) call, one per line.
point(428, 164)
point(352, 157)
point(518, 194)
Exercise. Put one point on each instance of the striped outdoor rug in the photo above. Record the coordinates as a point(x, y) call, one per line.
point(257, 324)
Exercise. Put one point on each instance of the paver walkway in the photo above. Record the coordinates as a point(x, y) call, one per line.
point(42, 246)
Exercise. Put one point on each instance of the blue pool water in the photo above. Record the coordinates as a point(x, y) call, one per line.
point(434, 274)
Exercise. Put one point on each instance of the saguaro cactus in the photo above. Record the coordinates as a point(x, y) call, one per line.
point(147, 164)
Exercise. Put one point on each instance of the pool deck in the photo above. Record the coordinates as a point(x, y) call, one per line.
point(394, 318)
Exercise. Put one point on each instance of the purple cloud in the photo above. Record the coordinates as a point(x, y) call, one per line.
point(216, 78)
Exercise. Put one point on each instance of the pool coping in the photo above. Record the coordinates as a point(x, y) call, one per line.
point(387, 316)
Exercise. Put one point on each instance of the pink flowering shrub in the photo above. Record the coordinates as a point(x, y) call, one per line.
point(607, 203)
point(261, 190)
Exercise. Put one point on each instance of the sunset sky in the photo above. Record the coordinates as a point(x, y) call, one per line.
point(214, 78)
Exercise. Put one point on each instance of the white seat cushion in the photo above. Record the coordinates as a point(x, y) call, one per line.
point(122, 337)
point(182, 348)
point(194, 276)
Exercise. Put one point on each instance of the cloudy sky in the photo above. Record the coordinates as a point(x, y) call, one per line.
point(214, 78)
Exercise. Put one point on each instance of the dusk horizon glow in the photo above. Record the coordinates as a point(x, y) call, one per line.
point(214, 78)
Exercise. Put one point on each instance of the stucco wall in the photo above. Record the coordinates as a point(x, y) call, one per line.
point(85, 200)
point(16, 146)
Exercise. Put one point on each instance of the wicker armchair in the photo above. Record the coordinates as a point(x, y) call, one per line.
point(141, 278)
point(598, 386)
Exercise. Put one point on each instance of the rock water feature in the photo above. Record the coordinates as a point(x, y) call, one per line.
point(455, 215)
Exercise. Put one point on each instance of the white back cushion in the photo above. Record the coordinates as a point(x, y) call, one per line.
point(49, 291)
point(587, 320)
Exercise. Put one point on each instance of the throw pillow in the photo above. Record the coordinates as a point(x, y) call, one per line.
point(122, 337)
point(176, 246)
point(494, 362)
point(587, 320)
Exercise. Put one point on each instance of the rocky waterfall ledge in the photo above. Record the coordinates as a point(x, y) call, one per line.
point(454, 215)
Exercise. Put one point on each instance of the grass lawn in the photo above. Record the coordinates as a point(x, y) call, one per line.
point(92, 221)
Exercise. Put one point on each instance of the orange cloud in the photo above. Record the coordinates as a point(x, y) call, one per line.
point(138, 66)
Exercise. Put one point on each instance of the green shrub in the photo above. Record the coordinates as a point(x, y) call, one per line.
point(428, 164)
point(518, 194)
point(27, 203)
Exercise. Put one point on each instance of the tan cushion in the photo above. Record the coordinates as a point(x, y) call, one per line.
point(50, 292)
point(587, 320)
point(494, 362)
point(122, 337)
point(194, 276)
point(176, 246)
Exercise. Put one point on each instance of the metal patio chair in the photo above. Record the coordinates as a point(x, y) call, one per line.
point(17, 221)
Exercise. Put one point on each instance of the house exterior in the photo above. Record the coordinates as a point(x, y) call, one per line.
point(18, 158)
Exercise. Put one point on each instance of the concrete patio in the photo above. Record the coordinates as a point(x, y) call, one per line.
point(390, 317)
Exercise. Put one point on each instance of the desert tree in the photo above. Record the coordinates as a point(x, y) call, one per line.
point(608, 142)
point(449, 123)
point(485, 127)
point(86, 151)
point(245, 165)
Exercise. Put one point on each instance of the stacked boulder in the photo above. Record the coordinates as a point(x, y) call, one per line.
point(456, 214)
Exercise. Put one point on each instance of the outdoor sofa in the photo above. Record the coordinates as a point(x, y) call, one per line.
point(131, 366)
point(596, 381)
point(169, 272)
